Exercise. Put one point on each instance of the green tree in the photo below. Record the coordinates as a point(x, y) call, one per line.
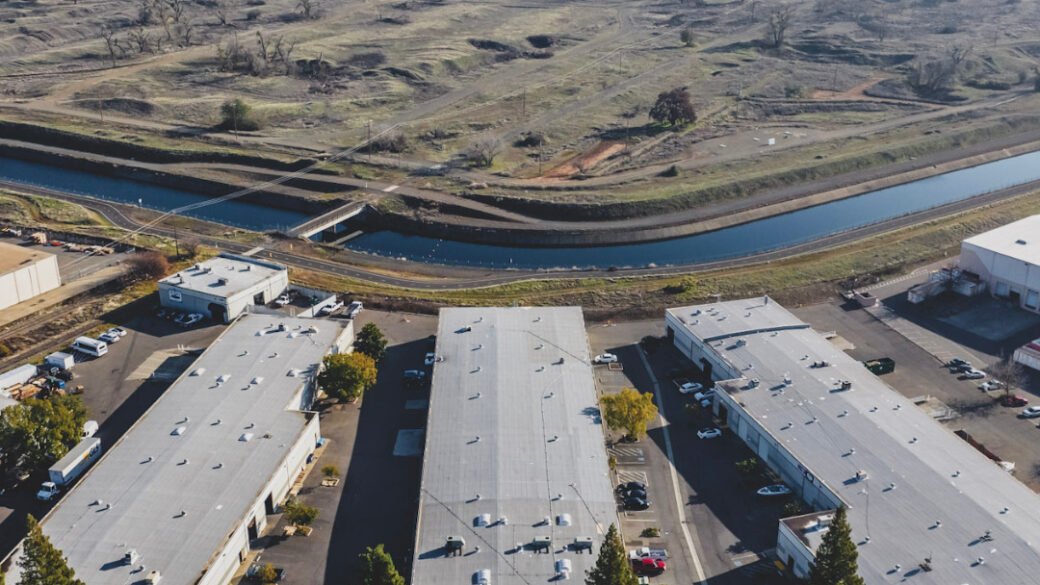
point(41, 563)
point(237, 115)
point(674, 108)
point(347, 376)
point(836, 555)
point(629, 410)
point(371, 342)
point(299, 514)
point(377, 568)
point(267, 574)
point(612, 566)
point(36, 433)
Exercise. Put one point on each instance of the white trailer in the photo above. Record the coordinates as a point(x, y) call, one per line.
point(17, 376)
point(1029, 355)
point(76, 461)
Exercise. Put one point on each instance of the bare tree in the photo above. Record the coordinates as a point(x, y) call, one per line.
point(931, 76)
point(222, 10)
point(190, 246)
point(109, 36)
point(779, 21)
point(482, 153)
point(1008, 372)
point(148, 265)
point(752, 9)
point(141, 39)
point(283, 52)
point(185, 30)
point(309, 8)
point(230, 54)
point(177, 8)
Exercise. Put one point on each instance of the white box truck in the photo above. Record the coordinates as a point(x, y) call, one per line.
point(69, 467)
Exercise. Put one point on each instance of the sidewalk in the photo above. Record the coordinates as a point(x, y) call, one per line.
point(60, 294)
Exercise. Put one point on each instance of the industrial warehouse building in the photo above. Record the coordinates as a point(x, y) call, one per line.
point(515, 487)
point(224, 287)
point(925, 507)
point(1007, 259)
point(25, 273)
point(194, 480)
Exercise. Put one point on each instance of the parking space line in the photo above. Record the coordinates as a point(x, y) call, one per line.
point(675, 476)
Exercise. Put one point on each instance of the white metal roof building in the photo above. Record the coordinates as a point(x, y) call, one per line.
point(918, 495)
point(514, 463)
point(192, 482)
point(1008, 260)
point(223, 287)
point(25, 273)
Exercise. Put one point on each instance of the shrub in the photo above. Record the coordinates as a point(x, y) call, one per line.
point(792, 508)
point(650, 532)
point(748, 467)
point(672, 171)
point(330, 471)
point(267, 574)
point(253, 14)
point(148, 265)
point(530, 140)
point(299, 514)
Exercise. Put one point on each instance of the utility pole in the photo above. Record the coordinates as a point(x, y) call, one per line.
point(368, 141)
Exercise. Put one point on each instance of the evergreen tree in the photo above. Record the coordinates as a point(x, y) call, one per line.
point(377, 568)
point(612, 566)
point(836, 555)
point(41, 563)
point(371, 342)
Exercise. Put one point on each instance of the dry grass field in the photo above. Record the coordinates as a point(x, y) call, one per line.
point(433, 78)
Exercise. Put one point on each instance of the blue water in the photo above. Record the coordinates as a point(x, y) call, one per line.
point(758, 236)
point(234, 213)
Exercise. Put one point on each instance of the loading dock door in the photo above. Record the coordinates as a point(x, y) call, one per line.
point(218, 312)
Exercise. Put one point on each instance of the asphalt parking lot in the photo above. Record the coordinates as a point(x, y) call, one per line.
point(117, 391)
point(944, 329)
point(376, 500)
point(731, 530)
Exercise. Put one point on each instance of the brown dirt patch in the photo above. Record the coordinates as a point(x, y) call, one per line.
point(585, 161)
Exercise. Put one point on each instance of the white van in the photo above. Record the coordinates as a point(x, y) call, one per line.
point(94, 347)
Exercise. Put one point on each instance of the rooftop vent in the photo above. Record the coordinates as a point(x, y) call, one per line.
point(482, 520)
point(223, 378)
point(246, 437)
point(293, 373)
point(198, 371)
point(257, 380)
point(179, 431)
point(222, 281)
point(1020, 242)
point(482, 577)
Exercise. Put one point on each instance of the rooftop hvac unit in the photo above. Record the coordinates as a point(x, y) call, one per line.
point(222, 281)
point(563, 520)
point(130, 557)
point(482, 520)
point(454, 543)
point(563, 569)
point(153, 578)
point(583, 543)
point(482, 577)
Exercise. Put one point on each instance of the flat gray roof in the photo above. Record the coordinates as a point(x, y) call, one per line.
point(238, 273)
point(207, 473)
point(514, 433)
point(1018, 239)
point(937, 477)
point(15, 256)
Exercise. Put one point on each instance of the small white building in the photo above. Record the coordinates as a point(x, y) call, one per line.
point(1007, 259)
point(25, 273)
point(222, 288)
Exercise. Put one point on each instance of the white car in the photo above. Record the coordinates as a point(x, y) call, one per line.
point(90, 428)
point(354, 309)
point(974, 374)
point(117, 331)
point(605, 358)
point(709, 433)
point(283, 300)
point(109, 338)
point(430, 358)
point(1031, 412)
point(777, 489)
point(708, 395)
point(330, 308)
point(990, 385)
point(690, 388)
point(190, 319)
